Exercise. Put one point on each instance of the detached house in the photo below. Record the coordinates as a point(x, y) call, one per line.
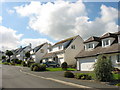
point(109, 44)
point(65, 50)
point(20, 52)
point(38, 52)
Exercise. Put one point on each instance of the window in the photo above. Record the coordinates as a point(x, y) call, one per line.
point(118, 58)
point(42, 50)
point(60, 46)
point(105, 42)
point(90, 45)
point(73, 47)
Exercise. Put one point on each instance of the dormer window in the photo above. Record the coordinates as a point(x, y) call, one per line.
point(106, 42)
point(90, 45)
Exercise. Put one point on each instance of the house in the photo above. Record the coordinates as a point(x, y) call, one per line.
point(39, 51)
point(20, 52)
point(108, 43)
point(65, 50)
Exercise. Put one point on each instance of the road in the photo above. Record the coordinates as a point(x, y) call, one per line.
point(13, 78)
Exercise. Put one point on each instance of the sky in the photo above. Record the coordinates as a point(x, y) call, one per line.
point(37, 22)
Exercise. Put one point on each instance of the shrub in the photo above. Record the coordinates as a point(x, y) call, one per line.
point(19, 61)
point(35, 68)
point(64, 65)
point(68, 74)
point(117, 84)
point(103, 68)
point(83, 76)
point(40, 67)
point(8, 60)
point(23, 63)
point(29, 63)
point(32, 66)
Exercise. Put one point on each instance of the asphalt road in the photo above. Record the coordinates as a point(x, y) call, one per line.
point(13, 78)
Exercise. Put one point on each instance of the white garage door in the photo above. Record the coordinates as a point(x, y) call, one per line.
point(87, 64)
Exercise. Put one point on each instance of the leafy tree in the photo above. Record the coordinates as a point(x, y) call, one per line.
point(103, 68)
point(3, 57)
point(27, 55)
point(9, 53)
point(64, 65)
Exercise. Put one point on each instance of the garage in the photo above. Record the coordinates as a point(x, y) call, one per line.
point(85, 64)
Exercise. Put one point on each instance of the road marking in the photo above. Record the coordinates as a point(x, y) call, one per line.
point(56, 80)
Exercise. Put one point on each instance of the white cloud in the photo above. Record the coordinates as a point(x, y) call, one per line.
point(9, 38)
point(10, 11)
point(62, 19)
point(0, 19)
point(34, 42)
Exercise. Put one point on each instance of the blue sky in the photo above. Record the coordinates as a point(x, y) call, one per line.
point(12, 19)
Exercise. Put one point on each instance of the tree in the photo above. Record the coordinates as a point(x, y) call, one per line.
point(27, 55)
point(64, 65)
point(103, 68)
point(3, 57)
point(9, 53)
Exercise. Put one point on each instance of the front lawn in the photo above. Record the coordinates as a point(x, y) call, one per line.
point(115, 76)
point(60, 69)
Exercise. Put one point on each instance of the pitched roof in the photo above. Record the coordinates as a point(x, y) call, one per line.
point(115, 48)
point(108, 35)
point(93, 38)
point(49, 55)
point(38, 47)
point(117, 33)
point(68, 39)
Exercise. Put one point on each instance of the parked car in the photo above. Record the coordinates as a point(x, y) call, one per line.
point(51, 64)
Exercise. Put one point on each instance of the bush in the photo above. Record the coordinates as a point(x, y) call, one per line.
point(64, 65)
point(19, 61)
point(68, 74)
point(40, 67)
point(103, 68)
point(35, 68)
point(29, 63)
point(6, 63)
point(83, 76)
point(23, 64)
point(117, 84)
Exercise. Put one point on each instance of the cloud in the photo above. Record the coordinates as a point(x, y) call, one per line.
point(63, 19)
point(0, 19)
point(34, 42)
point(10, 11)
point(9, 38)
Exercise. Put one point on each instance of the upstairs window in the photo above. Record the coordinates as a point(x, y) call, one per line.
point(90, 45)
point(118, 58)
point(42, 50)
point(73, 47)
point(60, 46)
point(106, 43)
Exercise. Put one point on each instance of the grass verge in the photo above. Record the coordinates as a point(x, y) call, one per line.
point(60, 69)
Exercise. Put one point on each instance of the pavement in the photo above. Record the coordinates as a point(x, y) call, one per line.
point(58, 75)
